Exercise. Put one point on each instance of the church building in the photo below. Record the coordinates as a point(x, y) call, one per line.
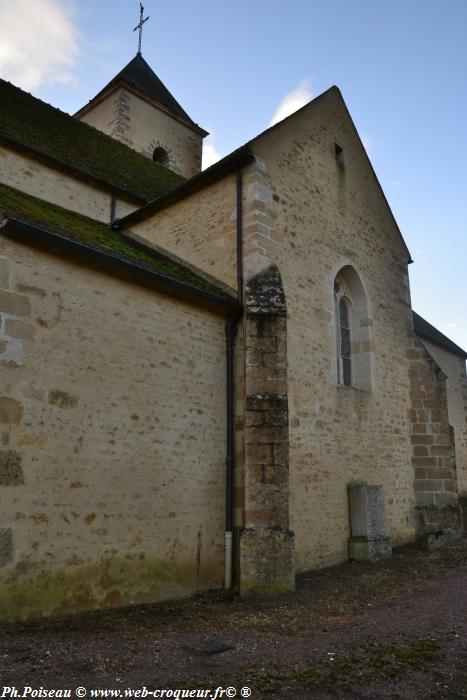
point(209, 378)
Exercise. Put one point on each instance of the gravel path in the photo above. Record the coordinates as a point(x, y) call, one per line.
point(396, 629)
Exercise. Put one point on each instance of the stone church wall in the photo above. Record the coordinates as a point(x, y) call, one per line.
point(112, 430)
point(201, 229)
point(45, 182)
point(439, 515)
point(315, 215)
point(432, 435)
point(453, 367)
point(142, 126)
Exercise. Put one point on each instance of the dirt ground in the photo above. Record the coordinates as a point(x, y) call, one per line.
point(395, 629)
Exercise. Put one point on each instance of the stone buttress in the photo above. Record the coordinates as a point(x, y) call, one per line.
point(439, 516)
point(266, 545)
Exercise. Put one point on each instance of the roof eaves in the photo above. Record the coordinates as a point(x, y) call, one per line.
point(231, 163)
point(36, 235)
point(425, 330)
point(110, 89)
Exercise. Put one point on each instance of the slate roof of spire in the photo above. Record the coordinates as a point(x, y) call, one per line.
point(138, 74)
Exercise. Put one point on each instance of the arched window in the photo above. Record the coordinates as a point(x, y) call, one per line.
point(161, 156)
point(353, 331)
point(344, 369)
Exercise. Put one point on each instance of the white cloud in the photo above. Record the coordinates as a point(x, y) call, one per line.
point(38, 42)
point(210, 154)
point(291, 102)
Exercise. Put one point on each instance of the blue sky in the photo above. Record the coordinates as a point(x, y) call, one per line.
point(401, 66)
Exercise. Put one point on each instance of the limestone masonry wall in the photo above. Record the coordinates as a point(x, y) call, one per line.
point(142, 126)
point(311, 216)
point(453, 367)
point(201, 229)
point(432, 435)
point(47, 183)
point(112, 432)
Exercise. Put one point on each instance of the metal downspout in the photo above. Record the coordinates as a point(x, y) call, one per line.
point(231, 333)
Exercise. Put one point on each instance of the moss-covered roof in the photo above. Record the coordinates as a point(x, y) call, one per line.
point(99, 236)
point(55, 134)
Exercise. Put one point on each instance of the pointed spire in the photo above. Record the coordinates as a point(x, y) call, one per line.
point(140, 26)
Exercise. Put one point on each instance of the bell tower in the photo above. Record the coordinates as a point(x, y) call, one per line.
point(136, 108)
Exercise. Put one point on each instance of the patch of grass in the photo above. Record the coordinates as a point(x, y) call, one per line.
point(373, 662)
point(385, 661)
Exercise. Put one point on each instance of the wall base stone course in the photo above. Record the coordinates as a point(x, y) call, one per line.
point(439, 525)
point(266, 561)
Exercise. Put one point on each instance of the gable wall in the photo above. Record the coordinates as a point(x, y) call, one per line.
point(453, 367)
point(38, 180)
point(112, 429)
point(137, 123)
point(313, 217)
point(201, 229)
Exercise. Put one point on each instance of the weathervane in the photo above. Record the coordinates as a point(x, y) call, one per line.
point(140, 26)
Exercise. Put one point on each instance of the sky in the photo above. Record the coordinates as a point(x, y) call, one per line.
point(238, 67)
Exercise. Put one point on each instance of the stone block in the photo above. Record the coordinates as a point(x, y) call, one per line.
point(11, 473)
point(258, 453)
point(266, 561)
point(446, 499)
point(369, 538)
point(14, 304)
point(18, 329)
point(11, 411)
point(437, 525)
point(369, 550)
point(265, 401)
point(367, 514)
point(4, 273)
point(6, 546)
point(463, 505)
point(265, 295)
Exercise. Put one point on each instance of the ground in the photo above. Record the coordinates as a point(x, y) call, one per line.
point(395, 629)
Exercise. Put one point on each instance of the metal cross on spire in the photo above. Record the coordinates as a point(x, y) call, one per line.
point(140, 26)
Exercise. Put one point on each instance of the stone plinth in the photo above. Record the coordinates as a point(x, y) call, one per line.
point(267, 561)
point(369, 540)
point(439, 525)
